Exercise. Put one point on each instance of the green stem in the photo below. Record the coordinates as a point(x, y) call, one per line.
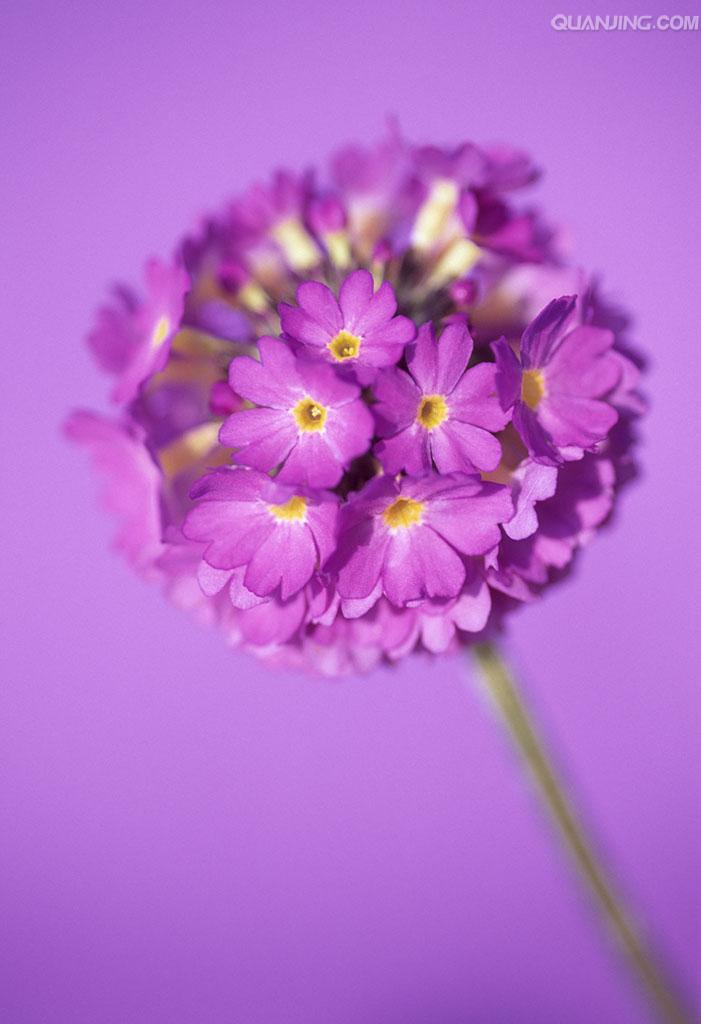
point(505, 696)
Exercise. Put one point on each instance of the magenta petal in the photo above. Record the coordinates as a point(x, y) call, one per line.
point(239, 594)
point(349, 432)
point(443, 569)
point(143, 364)
point(355, 608)
point(508, 373)
point(420, 564)
point(233, 532)
point(534, 436)
point(358, 577)
point(384, 346)
point(471, 610)
point(269, 450)
point(322, 601)
point(273, 622)
point(226, 484)
point(454, 350)
point(229, 516)
point(322, 517)
point(213, 580)
point(531, 483)
point(286, 559)
point(298, 325)
point(471, 524)
point(324, 384)
point(130, 483)
point(475, 399)
point(272, 382)
point(460, 447)
point(114, 338)
point(398, 400)
point(311, 463)
point(468, 208)
point(422, 360)
point(542, 336)
point(380, 310)
point(402, 573)
point(433, 486)
point(437, 632)
point(408, 450)
point(576, 421)
point(251, 425)
point(582, 365)
point(354, 298)
point(320, 304)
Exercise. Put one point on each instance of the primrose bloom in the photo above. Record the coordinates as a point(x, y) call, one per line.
point(132, 336)
point(408, 539)
point(439, 412)
point(308, 422)
point(555, 388)
point(280, 535)
point(364, 412)
point(358, 330)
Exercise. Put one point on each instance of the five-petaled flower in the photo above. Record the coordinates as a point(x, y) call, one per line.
point(409, 538)
point(133, 335)
point(281, 534)
point(358, 330)
point(439, 413)
point(308, 421)
point(556, 386)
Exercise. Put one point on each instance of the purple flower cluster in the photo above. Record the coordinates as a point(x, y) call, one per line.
point(365, 412)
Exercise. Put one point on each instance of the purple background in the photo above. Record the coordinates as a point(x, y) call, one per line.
point(188, 837)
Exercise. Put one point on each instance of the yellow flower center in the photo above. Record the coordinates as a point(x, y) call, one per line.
point(532, 388)
point(310, 415)
point(433, 409)
point(293, 511)
point(160, 332)
point(403, 513)
point(344, 346)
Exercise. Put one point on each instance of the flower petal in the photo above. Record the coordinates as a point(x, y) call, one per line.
point(460, 447)
point(475, 399)
point(354, 299)
point(454, 350)
point(542, 336)
point(471, 524)
point(273, 382)
point(419, 564)
point(508, 373)
point(319, 303)
point(286, 558)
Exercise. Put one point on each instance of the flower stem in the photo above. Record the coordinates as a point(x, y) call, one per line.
point(505, 696)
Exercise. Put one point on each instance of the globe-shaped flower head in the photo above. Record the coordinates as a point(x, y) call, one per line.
point(364, 413)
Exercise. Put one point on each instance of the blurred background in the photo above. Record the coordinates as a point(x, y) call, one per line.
point(188, 837)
